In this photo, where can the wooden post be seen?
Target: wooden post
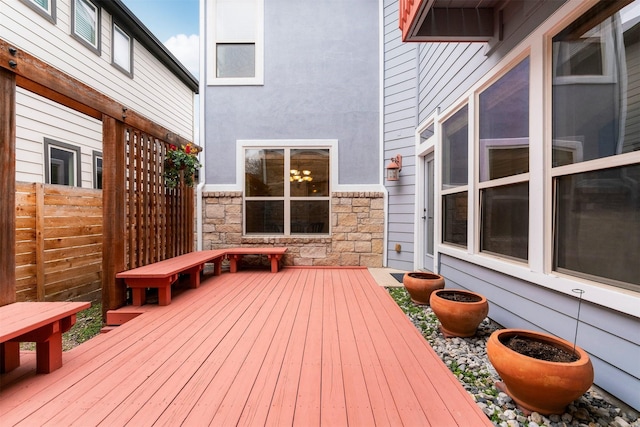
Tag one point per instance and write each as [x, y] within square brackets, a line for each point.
[7, 187]
[113, 214]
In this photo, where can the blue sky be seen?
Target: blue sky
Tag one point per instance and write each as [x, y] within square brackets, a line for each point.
[174, 23]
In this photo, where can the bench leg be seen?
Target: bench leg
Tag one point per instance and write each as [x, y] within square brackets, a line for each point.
[194, 276]
[164, 295]
[217, 267]
[274, 263]
[139, 296]
[234, 260]
[49, 352]
[9, 356]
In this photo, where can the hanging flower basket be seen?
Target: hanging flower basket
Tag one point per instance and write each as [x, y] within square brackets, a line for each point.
[181, 161]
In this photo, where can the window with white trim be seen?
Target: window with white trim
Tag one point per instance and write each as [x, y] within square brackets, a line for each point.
[122, 51]
[85, 25]
[235, 42]
[62, 163]
[503, 119]
[287, 191]
[596, 147]
[455, 182]
[46, 8]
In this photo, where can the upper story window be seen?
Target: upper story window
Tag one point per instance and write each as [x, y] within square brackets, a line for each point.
[122, 51]
[287, 191]
[62, 163]
[46, 8]
[86, 24]
[235, 42]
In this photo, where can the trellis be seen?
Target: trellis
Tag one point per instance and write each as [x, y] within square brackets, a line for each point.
[143, 221]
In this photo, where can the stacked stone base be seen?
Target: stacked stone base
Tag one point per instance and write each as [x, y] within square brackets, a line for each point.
[356, 237]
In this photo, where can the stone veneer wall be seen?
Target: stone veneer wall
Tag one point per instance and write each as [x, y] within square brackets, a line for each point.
[357, 230]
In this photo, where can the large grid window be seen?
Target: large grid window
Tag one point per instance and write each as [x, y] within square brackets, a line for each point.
[503, 119]
[287, 191]
[236, 48]
[455, 154]
[596, 116]
[86, 24]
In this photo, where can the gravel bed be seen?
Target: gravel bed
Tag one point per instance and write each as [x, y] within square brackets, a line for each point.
[467, 359]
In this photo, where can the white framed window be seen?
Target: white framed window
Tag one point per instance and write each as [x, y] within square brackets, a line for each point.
[122, 50]
[46, 8]
[287, 190]
[503, 130]
[595, 165]
[85, 25]
[97, 170]
[235, 42]
[62, 163]
[455, 177]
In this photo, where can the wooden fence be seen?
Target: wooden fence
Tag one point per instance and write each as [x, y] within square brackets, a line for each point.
[58, 242]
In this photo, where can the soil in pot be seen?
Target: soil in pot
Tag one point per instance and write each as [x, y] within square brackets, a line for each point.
[460, 297]
[421, 284]
[539, 350]
[536, 384]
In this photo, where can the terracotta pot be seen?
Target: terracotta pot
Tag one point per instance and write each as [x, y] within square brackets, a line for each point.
[420, 284]
[459, 318]
[538, 385]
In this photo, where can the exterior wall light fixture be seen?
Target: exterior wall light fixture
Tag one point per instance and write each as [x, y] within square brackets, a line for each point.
[394, 167]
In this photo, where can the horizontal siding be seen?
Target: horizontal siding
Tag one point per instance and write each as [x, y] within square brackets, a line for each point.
[38, 118]
[516, 303]
[152, 90]
[400, 90]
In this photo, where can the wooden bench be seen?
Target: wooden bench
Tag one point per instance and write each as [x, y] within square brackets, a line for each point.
[274, 254]
[162, 274]
[39, 322]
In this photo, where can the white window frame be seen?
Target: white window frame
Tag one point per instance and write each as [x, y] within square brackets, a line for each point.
[289, 145]
[212, 43]
[468, 187]
[481, 178]
[539, 269]
[129, 70]
[49, 12]
[95, 47]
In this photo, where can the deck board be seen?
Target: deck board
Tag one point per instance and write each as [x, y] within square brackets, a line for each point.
[302, 347]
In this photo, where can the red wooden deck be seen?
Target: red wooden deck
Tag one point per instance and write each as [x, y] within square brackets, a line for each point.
[303, 347]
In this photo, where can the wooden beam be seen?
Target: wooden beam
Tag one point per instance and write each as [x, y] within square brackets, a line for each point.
[7, 187]
[52, 83]
[113, 214]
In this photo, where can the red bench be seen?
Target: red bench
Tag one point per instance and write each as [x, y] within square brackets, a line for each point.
[274, 254]
[39, 322]
[162, 274]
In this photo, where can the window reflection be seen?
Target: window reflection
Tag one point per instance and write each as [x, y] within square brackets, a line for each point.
[595, 111]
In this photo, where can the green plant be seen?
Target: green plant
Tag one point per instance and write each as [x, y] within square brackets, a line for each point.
[182, 159]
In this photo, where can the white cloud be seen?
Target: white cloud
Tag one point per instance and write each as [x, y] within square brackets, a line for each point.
[187, 50]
